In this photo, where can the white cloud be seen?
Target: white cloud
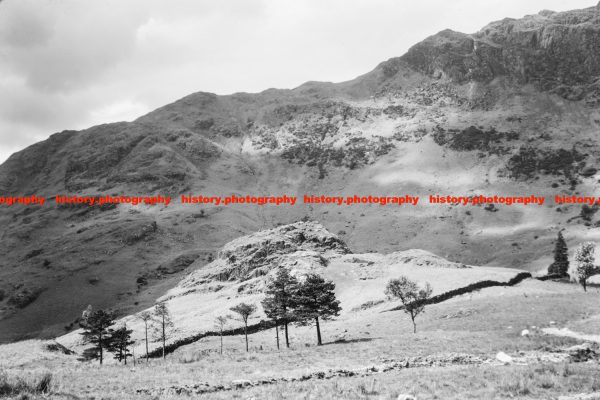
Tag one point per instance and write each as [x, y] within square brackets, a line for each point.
[70, 64]
[124, 110]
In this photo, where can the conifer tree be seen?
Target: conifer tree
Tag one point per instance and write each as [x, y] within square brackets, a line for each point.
[314, 299]
[120, 342]
[271, 311]
[96, 331]
[560, 266]
[278, 303]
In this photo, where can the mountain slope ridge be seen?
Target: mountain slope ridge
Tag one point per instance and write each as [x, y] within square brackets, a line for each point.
[454, 115]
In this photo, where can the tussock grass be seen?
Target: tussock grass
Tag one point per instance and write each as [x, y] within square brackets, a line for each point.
[14, 385]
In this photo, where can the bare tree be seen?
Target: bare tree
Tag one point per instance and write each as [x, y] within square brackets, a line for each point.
[244, 311]
[146, 317]
[413, 298]
[163, 317]
[220, 323]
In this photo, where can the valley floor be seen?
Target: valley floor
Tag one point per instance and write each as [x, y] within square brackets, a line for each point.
[479, 325]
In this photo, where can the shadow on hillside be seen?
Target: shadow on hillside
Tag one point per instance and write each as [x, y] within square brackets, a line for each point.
[345, 341]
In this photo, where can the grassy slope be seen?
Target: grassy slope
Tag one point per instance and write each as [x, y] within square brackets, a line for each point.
[359, 279]
[482, 323]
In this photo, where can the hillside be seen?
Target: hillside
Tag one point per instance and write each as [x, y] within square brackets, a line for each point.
[244, 266]
[518, 341]
[511, 109]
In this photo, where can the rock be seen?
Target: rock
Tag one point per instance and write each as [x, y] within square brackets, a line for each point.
[582, 352]
[54, 346]
[588, 171]
[525, 332]
[406, 397]
[239, 383]
[300, 246]
[504, 358]
[582, 396]
[504, 48]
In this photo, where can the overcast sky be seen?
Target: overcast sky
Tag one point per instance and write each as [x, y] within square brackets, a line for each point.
[71, 64]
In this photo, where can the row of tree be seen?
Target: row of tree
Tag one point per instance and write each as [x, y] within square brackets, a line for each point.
[584, 266]
[289, 301]
[98, 331]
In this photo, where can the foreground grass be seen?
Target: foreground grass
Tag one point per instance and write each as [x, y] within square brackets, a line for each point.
[541, 381]
[11, 386]
[474, 382]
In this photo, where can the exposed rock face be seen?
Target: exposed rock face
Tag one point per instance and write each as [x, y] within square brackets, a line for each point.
[559, 52]
[302, 247]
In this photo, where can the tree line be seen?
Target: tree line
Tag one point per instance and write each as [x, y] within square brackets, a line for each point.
[98, 331]
[287, 301]
[581, 270]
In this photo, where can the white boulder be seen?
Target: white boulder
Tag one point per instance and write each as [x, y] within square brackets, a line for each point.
[504, 358]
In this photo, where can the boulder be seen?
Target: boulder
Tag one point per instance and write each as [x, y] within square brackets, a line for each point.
[588, 171]
[504, 358]
[239, 383]
[582, 352]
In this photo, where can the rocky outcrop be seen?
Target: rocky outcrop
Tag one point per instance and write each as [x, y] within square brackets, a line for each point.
[300, 246]
[558, 52]
[583, 352]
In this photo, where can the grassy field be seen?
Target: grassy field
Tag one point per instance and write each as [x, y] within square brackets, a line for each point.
[483, 323]
[523, 382]
[360, 281]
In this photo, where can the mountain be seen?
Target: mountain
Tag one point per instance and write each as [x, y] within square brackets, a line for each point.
[509, 110]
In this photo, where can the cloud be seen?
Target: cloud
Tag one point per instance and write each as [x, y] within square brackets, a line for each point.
[65, 46]
[70, 64]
